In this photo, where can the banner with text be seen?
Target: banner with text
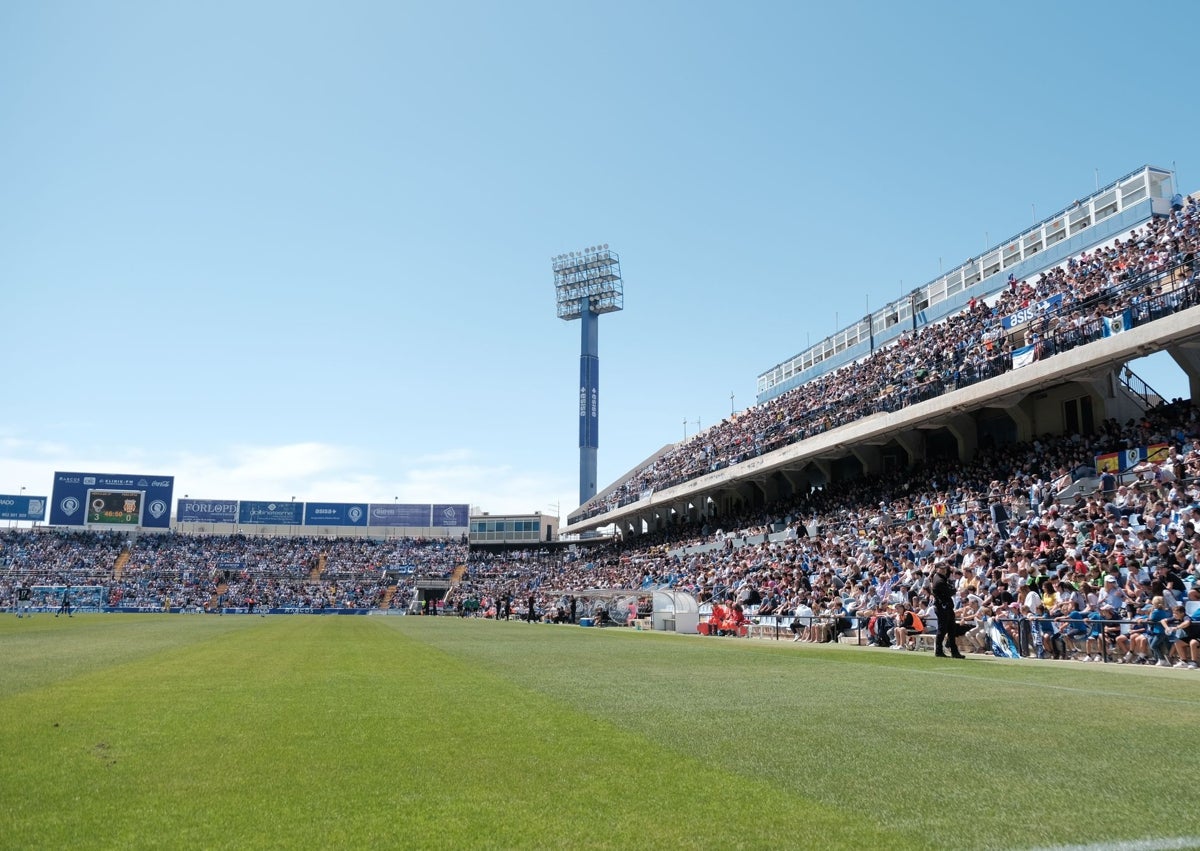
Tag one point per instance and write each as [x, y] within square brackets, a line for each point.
[206, 511]
[1033, 311]
[21, 507]
[399, 514]
[335, 514]
[271, 513]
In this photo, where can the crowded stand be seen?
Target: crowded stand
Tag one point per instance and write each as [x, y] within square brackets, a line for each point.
[1086, 576]
[192, 573]
[1106, 572]
[1149, 274]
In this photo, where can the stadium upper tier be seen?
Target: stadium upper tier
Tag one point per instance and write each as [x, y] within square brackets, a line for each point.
[1149, 274]
[1109, 212]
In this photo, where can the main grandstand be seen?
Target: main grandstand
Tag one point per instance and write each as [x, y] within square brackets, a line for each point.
[1033, 337]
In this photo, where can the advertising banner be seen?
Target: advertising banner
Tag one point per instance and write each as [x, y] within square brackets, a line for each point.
[451, 515]
[400, 514]
[206, 511]
[270, 513]
[589, 402]
[21, 507]
[1033, 311]
[335, 514]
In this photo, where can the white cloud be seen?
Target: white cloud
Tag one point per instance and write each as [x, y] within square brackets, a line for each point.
[310, 471]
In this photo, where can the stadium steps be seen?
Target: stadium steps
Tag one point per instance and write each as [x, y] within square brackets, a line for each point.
[385, 601]
[457, 575]
[1135, 389]
[215, 601]
[318, 570]
[119, 565]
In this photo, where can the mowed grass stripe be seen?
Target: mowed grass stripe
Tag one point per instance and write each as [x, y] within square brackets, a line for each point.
[44, 649]
[347, 731]
[912, 744]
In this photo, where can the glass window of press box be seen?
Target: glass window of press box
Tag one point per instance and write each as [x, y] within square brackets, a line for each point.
[505, 529]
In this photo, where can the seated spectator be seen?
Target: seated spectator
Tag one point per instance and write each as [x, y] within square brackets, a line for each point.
[909, 625]
[1187, 639]
[804, 621]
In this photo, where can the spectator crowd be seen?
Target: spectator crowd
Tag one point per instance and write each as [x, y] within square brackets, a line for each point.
[162, 572]
[1150, 273]
[1112, 571]
[1109, 571]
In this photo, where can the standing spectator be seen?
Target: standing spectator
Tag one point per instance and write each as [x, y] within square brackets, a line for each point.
[942, 590]
[65, 606]
[999, 515]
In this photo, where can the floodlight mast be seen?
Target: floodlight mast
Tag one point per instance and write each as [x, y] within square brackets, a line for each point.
[588, 283]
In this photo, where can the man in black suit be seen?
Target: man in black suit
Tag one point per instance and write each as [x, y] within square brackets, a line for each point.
[942, 590]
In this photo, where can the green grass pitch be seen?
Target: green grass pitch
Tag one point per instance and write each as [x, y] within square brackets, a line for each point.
[179, 731]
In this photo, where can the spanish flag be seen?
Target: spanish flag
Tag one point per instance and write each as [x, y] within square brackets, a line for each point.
[1158, 452]
[1110, 462]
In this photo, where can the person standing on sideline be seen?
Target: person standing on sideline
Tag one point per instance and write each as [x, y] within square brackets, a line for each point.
[65, 606]
[532, 609]
[942, 590]
[24, 593]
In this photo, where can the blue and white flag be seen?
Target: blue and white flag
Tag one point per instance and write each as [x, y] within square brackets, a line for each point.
[1002, 643]
[1116, 324]
[1024, 356]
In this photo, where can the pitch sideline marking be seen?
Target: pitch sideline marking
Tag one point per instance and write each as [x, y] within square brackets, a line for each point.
[1072, 689]
[1163, 844]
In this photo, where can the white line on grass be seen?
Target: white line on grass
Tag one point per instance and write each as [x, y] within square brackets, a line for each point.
[1089, 691]
[1165, 844]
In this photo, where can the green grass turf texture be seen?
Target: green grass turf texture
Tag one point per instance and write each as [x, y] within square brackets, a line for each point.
[308, 731]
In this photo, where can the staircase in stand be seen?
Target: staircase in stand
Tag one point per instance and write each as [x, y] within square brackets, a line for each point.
[318, 570]
[119, 565]
[1146, 396]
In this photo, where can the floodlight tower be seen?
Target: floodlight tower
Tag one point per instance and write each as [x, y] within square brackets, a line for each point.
[588, 283]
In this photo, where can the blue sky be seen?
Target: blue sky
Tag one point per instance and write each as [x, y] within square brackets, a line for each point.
[303, 249]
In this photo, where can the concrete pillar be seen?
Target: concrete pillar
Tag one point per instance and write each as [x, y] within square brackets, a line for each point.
[1022, 420]
[964, 431]
[797, 481]
[1110, 399]
[1188, 358]
[773, 487]
[870, 457]
[913, 443]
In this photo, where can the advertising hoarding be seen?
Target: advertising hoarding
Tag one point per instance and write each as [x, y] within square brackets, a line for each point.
[206, 511]
[335, 514]
[21, 507]
[270, 513]
[400, 514]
